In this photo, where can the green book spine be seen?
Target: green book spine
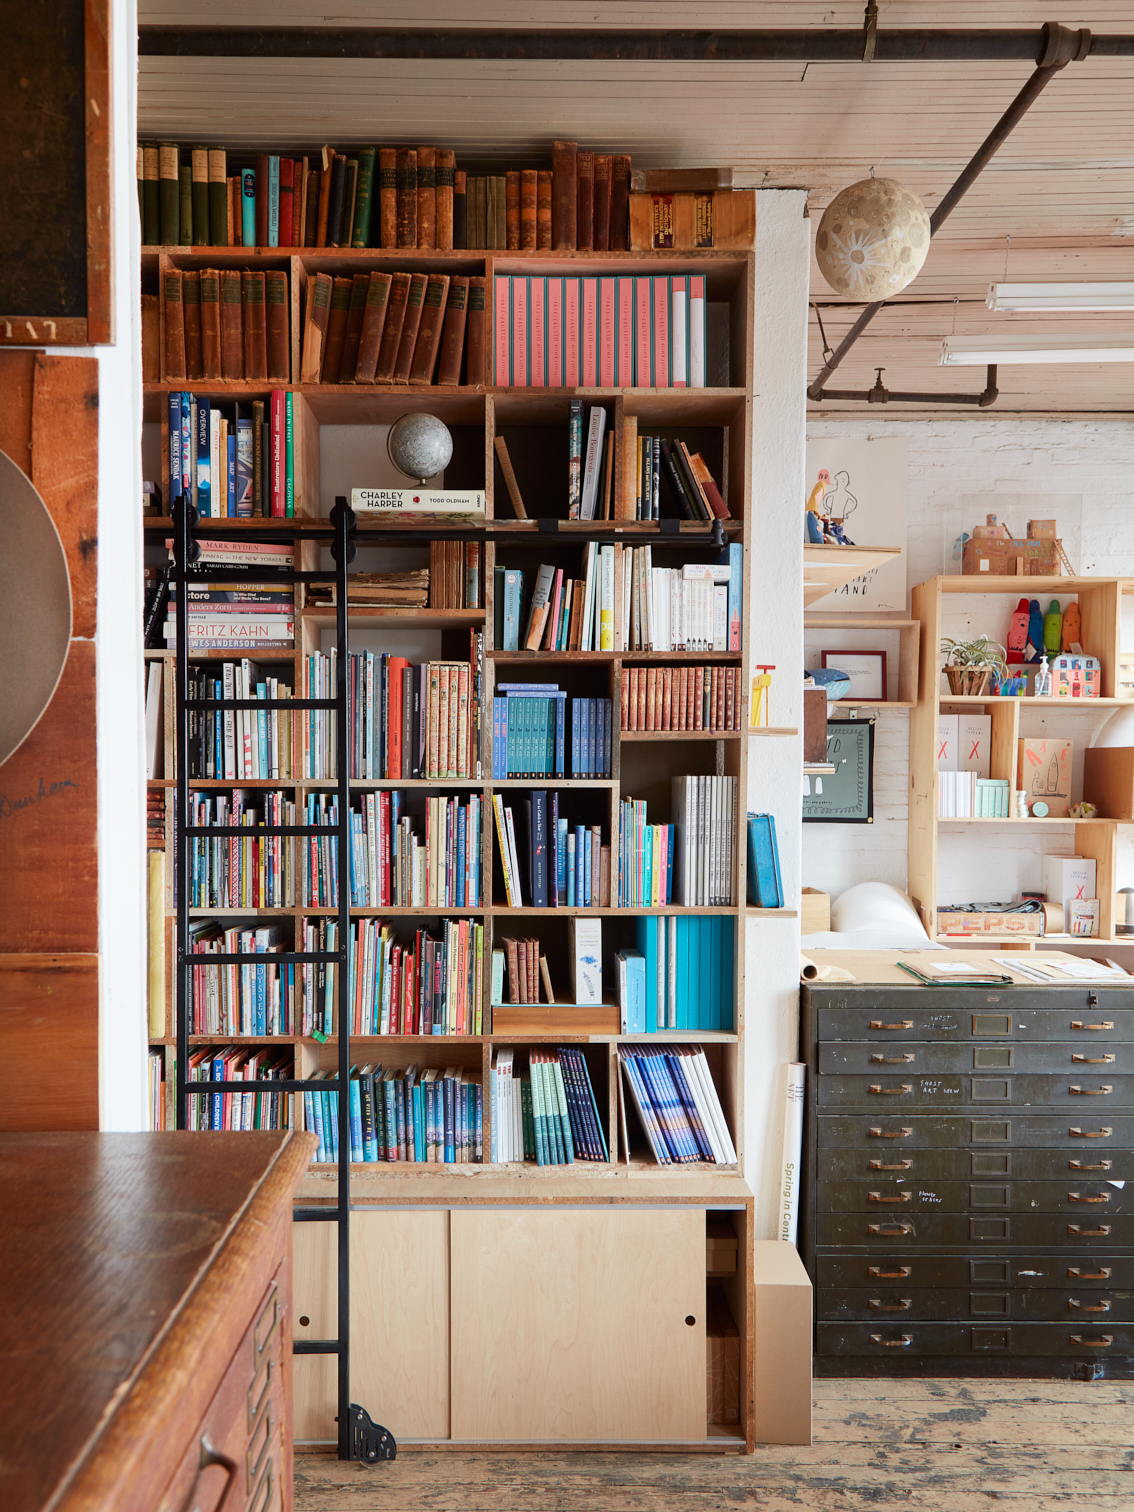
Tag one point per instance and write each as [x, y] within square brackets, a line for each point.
[363, 198]
[556, 1072]
[539, 1128]
[529, 1126]
[169, 194]
[218, 196]
[200, 160]
[151, 213]
[185, 205]
[289, 482]
[141, 185]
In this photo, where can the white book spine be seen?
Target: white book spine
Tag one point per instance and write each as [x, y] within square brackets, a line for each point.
[792, 1151]
[606, 598]
[696, 335]
[677, 330]
[593, 462]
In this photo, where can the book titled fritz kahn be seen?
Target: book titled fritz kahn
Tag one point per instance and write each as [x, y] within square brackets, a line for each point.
[468, 501]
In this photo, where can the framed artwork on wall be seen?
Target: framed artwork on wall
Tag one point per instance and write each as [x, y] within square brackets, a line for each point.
[866, 671]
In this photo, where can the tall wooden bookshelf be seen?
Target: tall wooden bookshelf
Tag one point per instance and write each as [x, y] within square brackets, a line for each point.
[513, 1303]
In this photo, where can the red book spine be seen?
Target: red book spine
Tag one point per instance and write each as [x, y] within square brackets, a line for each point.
[588, 341]
[520, 332]
[278, 444]
[555, 333]
[571, 333]
[624, 368]
[537, 324]
[501, 357]
[643, 368]
[606, 332]
[661, 332]
[262, 200]
[287, 200]
[395, 705]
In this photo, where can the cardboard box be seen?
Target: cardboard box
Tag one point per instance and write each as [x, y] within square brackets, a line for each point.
[781, 1339]
[1043, 771]
[1042, 530]
[814, 911]
[994, 926]
[1016, 557]
[720, 1247]
[1067, 880]
[1108, 781]
[722, 1341]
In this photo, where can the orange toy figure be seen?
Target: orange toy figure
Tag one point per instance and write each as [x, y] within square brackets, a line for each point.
[815, 502]
[1072, 626]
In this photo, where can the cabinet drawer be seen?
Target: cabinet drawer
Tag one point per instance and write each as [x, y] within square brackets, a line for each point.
[975, 1339]
[236, 1447]
[959, 1165]
[1111, 1018]
[1085, 1198]
[890, 1229]
[921, 1269]
[909, 1304]
[893, 1090]
[1076, 1132]
[922, 1057]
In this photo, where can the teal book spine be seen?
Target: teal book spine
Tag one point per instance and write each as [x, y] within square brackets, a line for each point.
[357, 1149]
[647, 941]
[716, 972]
[248, 207]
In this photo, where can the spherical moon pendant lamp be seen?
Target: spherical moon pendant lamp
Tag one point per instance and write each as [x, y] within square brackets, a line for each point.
[873, 239]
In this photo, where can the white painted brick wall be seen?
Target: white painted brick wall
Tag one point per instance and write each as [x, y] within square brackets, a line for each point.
[947, 460]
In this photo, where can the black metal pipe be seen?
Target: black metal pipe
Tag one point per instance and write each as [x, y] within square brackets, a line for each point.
[740, 45]
[879, 394]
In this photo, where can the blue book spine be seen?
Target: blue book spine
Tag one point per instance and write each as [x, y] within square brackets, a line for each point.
[174, 447]
[576, 718]
[571, 872]
[357, 1152]
[561, 856]
[560, 727]
[231, 478]
[462, 841]
[187, 440]
[716, 939]
[608, 736]
[273, 202]
[204, 490]
[647, 941]
[668, 899]
[248, 207]
[313, 1118]
[593, 755]
[583, 770]
[450, 1122]
[600, 737]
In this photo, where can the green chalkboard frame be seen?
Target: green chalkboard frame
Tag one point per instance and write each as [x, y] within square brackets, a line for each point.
[848, 796]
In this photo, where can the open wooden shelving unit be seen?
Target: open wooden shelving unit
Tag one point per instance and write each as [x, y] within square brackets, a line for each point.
[1100, 604]
[464, 1248]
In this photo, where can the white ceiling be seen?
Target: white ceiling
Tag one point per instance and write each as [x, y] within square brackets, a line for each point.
[1062, 186]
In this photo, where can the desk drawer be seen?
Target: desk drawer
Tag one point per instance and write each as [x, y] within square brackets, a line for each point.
[978, 1340]
[998, 1018]
[911, 1056]
[889, 1090]
[899, 1304]
[1085, 1133]
[1093, 1231]
[919, 1269]
[239, 1437]
[960, 1165]
[893, 1195]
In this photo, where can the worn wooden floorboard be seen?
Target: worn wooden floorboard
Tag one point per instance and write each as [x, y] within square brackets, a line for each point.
[942, 1446]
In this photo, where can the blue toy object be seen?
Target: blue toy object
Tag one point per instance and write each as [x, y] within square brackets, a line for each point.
[814, 532]
[836, 683]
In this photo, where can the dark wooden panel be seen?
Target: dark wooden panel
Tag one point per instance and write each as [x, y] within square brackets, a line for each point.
[960, 1165]
[889, 1304]
[868, 1058]
[49, 823]
[978, 1131]
[1111, 1018]
[903, 1268]
[49, 1034]
[977, 1340]
[64, 437]
[1096, 1090]
[1081, 1197]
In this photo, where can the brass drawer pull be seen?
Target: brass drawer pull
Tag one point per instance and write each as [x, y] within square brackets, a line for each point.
[1079, 1024]
[1093, 1060]
[897, 1133]
[901, 1091]
[1104, 1091]
[1103, 1133]
[898, 1060]
[878, 1197]
[1099, 1197]
[895, 1275]
[1102, 1274]
[1100, 1343]
[1100, 1233]
[903, 1306]
[1080, 1165]
[891, 1229]
[902, 1343]
[1088, 1306]
[897, 1165]
[878, 1024]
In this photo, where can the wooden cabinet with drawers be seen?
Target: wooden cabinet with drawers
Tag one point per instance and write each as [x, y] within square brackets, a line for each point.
[968, 1203]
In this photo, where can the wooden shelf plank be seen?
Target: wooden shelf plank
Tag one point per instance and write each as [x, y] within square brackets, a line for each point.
[828, 568]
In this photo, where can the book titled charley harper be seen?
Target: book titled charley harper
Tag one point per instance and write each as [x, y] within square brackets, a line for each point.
[419, 500]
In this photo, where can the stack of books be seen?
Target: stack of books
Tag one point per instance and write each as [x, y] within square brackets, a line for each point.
[257, 872]
[677, 1102]
[964, 795]
[564, 613]
[393, 328]
[234, 460]
[681, 698]
[254, 1109]
[552, 1117]
[527, 970]
[226, 325]
[705, 840]
[684, 474]
[534, 734]
[645, 858]
[689, 967]
[547, 862]
[246, 999]
[555, 332]
[455, 575]
[372, 590]
[238, 745]
[395, 1115]
[691, 608]
[394, 866]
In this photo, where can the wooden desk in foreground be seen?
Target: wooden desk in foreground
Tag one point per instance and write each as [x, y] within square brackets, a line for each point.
[147, 1300]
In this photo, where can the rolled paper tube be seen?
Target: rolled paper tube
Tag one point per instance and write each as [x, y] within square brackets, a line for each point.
[808, 970]
[1053, 919]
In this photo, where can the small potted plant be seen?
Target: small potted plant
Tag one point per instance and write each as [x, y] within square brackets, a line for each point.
[969, 665]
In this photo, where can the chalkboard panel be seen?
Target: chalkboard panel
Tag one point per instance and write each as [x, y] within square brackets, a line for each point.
[55, 173]
[848, 792]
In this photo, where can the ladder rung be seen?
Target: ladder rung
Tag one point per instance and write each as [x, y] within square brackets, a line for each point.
[262, 703]
[315, 1346]
[248, 832]
[260, 1084]
[315, 1215]
[274, 958]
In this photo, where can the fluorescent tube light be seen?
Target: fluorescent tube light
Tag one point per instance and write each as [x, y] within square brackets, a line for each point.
[1008, 297]
[1010, 351]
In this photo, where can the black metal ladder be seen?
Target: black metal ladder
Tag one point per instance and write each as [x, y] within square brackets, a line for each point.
[359, 1438]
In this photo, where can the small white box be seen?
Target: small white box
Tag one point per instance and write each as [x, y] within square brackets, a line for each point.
[1067, 880]
[974, 744]
[947, 737]
[586, 961]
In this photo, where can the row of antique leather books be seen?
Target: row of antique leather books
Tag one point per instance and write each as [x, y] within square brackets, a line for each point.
[394, 328]
[226, 325]
[393, 198]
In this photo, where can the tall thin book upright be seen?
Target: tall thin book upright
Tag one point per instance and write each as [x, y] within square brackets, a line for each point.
[791, 1091]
